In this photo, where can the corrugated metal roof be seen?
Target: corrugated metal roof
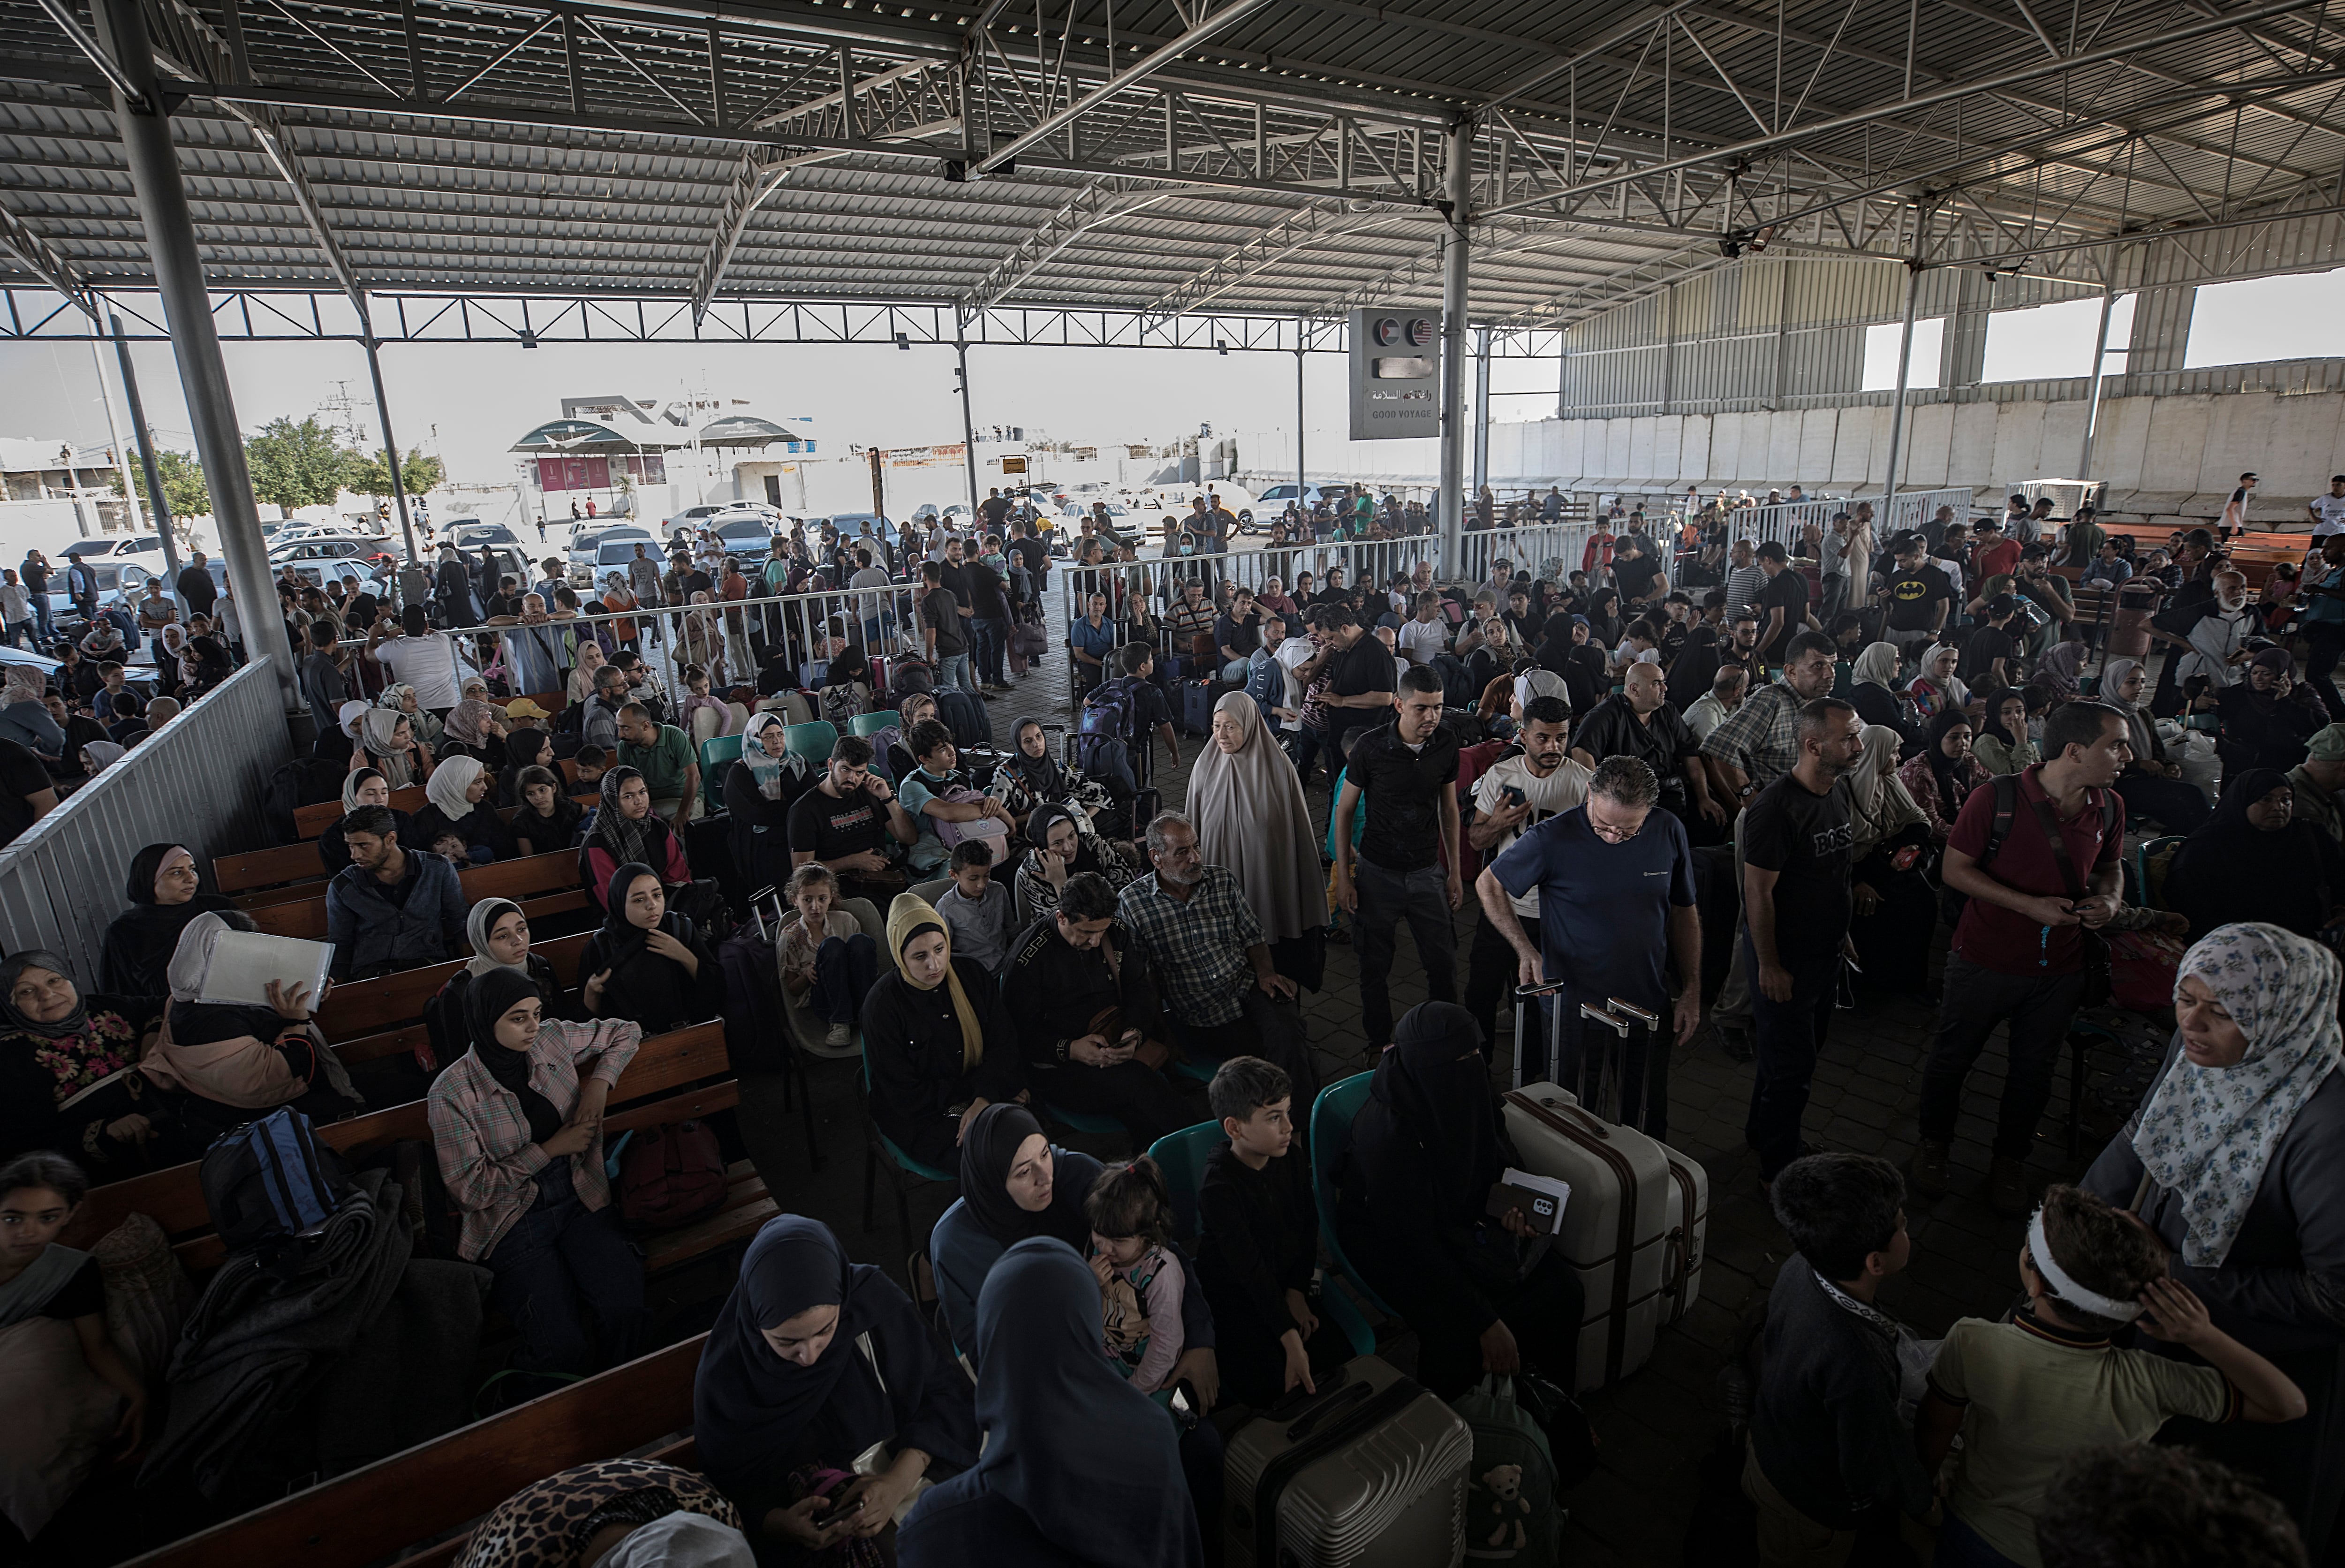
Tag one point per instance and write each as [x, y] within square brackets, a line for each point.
[800, 148]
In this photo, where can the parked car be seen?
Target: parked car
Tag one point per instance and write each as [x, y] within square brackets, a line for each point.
[470, 533]
[691, 517]
[585, 545]
[745, 533]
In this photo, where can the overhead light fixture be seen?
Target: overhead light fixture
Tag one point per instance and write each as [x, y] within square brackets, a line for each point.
[1220, 347]
[1729, 246]
[904, 342]
[1758, 240]
[528, 339]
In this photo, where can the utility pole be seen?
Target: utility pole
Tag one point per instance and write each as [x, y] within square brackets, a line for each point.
[158, 503]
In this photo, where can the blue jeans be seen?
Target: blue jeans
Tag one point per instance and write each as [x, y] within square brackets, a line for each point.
[952, 669]
[41, 616]
[1786, 1038]
[845, 970]
[558, 1259]
[18, 634]
[993, 639]
[1233, 673]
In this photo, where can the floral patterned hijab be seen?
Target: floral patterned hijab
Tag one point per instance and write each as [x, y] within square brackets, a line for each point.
[2208, 1133]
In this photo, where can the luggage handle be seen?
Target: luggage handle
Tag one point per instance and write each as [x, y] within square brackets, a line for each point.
[1342, 1403]
[1556, 1109]
[1298, 1399]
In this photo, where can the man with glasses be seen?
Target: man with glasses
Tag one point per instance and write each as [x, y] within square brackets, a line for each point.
[1614, 880]
[1796, 841]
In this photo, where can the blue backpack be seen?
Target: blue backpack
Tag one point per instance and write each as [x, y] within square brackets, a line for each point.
[1111, 713]
[1266, 684]
[270, 1185]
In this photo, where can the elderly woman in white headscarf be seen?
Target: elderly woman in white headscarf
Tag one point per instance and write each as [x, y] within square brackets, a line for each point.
[2152, 784]
[1248, 808]
[2236, 1160]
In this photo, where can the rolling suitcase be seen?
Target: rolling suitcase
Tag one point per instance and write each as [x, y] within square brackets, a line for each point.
[1633, 1228]
[1196, 705]
[1368, 1473]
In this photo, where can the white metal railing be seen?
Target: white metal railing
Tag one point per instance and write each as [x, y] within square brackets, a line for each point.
[197, 782]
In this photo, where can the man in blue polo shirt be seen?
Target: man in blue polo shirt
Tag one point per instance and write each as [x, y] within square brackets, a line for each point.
[1615, 881]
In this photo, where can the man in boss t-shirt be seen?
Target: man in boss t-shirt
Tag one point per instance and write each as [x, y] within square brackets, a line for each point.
[2018, 951]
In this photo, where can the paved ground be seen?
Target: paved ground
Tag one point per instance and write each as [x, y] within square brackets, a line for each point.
[1657, 1424]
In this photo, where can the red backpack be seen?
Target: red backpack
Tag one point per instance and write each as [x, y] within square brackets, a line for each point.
[670, 1177]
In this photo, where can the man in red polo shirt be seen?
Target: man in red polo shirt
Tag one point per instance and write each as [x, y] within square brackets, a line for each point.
[2018, 952]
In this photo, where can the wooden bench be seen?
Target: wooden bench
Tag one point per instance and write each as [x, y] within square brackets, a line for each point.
[373, 1513]
[542, 885]
[174, 1198]
[354, 1015]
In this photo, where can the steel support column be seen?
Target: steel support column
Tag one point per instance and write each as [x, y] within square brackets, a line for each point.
[156, 504]
[390, 444]
[1897, 409]
[967, 423]
[1302, 480]
[1457, 169]
[2093, 399]
[203, 376]
[1481, 410]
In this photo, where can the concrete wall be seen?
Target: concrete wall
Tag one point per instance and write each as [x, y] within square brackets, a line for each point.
[2162, 456]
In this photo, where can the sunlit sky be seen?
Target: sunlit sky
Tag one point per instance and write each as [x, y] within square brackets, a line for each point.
[468, 402]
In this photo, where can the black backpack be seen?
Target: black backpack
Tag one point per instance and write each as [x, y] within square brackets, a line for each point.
[270, 1185]
[304, 781]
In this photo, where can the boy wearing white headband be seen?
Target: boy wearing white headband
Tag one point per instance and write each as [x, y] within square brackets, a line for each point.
[2028, 1394]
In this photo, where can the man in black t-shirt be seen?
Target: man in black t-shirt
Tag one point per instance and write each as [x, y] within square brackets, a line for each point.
[26, 792]
[1363, 676]
[1640, 723]
[994, 509]
[1988, 653]
[1795, 898]
[1406, 773]
[1918, 596]
[847, 820]
[1636, 573]
[1783, 604]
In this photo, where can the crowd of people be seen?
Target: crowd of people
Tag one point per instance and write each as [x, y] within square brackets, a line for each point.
[1809, 753]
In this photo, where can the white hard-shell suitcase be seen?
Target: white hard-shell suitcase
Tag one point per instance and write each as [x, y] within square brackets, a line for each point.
[1633, 1228]
[1368, 1473]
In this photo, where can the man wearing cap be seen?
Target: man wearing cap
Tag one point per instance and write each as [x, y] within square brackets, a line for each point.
[2318, 782]
[522, 710]
[1993, 556]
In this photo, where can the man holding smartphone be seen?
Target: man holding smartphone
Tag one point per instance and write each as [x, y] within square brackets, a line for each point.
[1533, 780]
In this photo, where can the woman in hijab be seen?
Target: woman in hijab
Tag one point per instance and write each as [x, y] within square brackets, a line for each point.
[366, 787]
[1894, 909]
[388, 741]
[936, 1042]
[581, 685]
[499, 934]
[2003, 745]
[1695, 669]
[206, 666]
[459, 808]
[546, 817]
[628, 831]
[2059, 669]
[649, 963]
[1030, 778]
[165, 894]
[24, 715]
[1942, 775]
[517, 1125]
[526, 746]
[1079, 1467]
[1062, 848]
[69, 1079]
[2253, 861]
[2234, 1160]
[400, 698]
[814, 1361]
[1426, 1150]
[1874, 696]
[2268, 717]
[2150, 784]
[1250, 815]
[228, 1062]
[758, 794]
[1935, 689]
[479, 727]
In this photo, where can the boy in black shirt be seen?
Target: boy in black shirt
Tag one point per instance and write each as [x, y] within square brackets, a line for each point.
[1795, 899]
[1261, 1241]
[1990, 658]
[1828, 1457]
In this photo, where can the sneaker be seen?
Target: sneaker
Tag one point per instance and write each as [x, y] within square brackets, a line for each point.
[840, 1036]
[2006, 1186]
[1928, 1168]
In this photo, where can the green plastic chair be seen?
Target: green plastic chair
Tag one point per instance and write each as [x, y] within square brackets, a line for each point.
[1183, 1156]
[715, 752]
[868, 724]
[1331, 1135]
[811, 741]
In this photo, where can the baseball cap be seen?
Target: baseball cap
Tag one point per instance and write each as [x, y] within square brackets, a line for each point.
[522, 707]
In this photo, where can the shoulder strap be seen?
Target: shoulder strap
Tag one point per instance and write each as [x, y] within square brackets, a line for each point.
[2006, 798]
[2049, 822]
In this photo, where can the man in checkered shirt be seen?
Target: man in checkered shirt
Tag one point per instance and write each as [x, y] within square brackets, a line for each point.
[1212, 966]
